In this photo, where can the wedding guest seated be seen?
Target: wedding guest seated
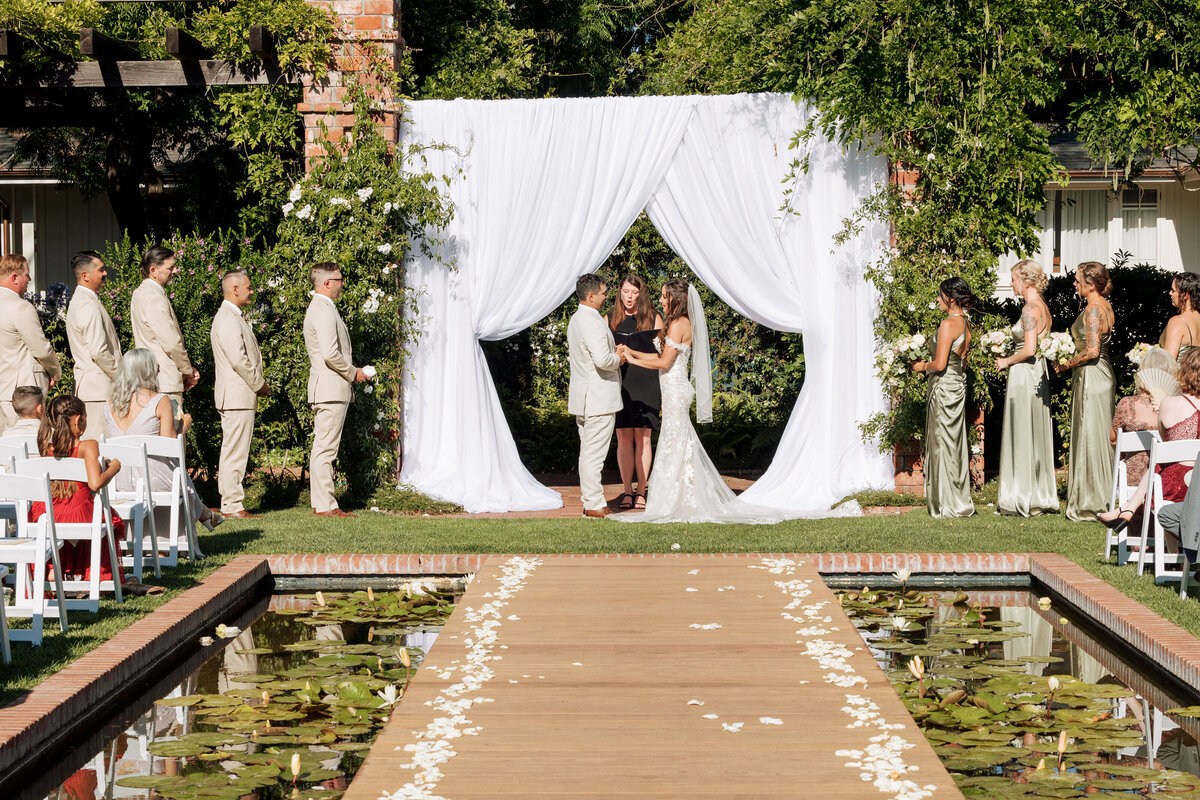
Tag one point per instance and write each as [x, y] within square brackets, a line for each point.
[27, 405]
[137, 408]
[1178, 418]
[1139, 412]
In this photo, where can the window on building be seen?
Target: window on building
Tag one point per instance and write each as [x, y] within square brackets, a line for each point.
[1139, 224]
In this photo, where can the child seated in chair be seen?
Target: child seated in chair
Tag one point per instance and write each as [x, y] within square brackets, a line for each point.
[27, 405]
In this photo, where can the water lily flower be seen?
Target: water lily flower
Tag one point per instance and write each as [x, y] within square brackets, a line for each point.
[917, 667]
[295, 766]
[221, 631]
[1052, 684]
[320, 599]
[205, 641]
[902, 624]
[405, 660]
[1044, 603]
[902, 575]
[388, 695]
[370, 594]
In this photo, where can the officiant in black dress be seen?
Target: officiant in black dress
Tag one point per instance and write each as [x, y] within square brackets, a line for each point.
[635, 323]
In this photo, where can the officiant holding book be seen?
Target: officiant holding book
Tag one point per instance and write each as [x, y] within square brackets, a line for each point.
[635, 323]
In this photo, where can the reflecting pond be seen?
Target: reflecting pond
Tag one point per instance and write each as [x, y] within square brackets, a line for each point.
[1020, 698]
[284, 707]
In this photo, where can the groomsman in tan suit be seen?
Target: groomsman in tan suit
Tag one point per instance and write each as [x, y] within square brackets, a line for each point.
[26, 357]
[93, 340]
[331, 373]
[239, 382]
[156, 328]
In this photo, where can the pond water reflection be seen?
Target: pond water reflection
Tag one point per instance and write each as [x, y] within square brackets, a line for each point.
[292, 700]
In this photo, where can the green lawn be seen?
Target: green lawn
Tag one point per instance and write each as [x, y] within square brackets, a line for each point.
[297, 530]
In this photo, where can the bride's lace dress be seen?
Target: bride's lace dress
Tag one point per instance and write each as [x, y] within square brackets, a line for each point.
[684, 486]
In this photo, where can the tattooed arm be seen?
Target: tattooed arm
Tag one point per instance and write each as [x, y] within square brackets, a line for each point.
[1029, 324]
[1092, 320]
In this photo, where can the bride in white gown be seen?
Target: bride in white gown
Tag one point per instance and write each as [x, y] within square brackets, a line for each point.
[684, 485]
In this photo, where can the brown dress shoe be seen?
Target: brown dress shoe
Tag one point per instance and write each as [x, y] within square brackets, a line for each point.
[337, 512]
[243, 514]
[599, 513]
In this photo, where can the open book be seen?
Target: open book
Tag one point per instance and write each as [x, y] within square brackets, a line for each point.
[638, 341]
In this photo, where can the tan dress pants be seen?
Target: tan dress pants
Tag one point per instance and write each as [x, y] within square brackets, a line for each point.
[96, 426]
[237, 427]
[595, 437]
[328, 419]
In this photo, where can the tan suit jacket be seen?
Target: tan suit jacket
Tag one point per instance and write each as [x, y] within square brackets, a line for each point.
[94, 346]
[26, 357]
[156, 328]
[238, 374]
[331, 370]
[594, 386]
[23, 427]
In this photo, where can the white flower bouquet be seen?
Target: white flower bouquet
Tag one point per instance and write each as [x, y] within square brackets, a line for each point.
[893, 359]
[1139, 352]
[998, 343]
[1056, 347]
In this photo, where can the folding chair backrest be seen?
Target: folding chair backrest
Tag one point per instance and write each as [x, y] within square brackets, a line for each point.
[1172, 452]
[58, 469]
[132, 457]
[31, 488]
[156, 446]
[11, 452]
[27, 439]
[1135, 441]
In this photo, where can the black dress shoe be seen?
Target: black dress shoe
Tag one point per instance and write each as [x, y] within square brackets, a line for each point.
[1120, 523]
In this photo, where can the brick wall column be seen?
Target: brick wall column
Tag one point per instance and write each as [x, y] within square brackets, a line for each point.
[368, 30]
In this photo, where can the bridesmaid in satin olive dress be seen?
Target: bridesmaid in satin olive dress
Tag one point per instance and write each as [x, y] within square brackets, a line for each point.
[947, 454]
[1027, 485]
[1090, 462]
[1183, 330]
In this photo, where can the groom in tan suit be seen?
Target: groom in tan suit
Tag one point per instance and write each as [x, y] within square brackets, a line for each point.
[330, 376]
[156, 328]
[26, 357]
[594, 390]
[93, 340]
[239, 382]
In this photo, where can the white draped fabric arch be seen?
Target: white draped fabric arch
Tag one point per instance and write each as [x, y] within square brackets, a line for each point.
[543, 190]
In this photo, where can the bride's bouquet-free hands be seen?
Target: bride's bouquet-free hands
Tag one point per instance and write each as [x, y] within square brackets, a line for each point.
[1057, 348]
[894, 360]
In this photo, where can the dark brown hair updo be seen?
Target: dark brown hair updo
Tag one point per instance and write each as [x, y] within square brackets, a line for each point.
[644, 310]
[676, 306]
[1096, 274]
[956, 289]
[1187, 284]
[55, 438]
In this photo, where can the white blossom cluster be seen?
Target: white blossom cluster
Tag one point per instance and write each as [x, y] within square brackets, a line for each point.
[893, 358]
[881, 762]
[1056, 347]
[998, 343]
[1138, 352]
[434, 748]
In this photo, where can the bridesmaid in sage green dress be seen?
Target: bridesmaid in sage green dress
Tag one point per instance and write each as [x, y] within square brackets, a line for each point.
[1089, 467]
[947, 455]
[1027, 485]
[1183, 330]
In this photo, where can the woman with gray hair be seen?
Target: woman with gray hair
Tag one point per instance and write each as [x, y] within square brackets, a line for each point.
[137, 408]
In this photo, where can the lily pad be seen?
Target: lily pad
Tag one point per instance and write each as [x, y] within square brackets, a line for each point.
[175, 748]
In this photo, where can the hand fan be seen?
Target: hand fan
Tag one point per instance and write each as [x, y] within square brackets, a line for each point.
[1157, 382]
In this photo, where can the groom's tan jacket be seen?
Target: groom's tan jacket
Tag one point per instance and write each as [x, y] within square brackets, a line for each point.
[595, 386]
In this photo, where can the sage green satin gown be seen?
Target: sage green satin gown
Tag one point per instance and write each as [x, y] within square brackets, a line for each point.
[1027, 485]
[1183, 348]
[1089, 468]
[947, 454]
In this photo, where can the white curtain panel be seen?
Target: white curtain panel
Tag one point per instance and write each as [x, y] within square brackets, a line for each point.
[544, 189]
[720, 207]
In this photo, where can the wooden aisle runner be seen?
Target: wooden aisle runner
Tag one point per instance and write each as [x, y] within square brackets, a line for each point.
[652, 676]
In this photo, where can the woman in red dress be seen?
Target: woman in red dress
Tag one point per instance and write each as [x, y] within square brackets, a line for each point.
[62, 426]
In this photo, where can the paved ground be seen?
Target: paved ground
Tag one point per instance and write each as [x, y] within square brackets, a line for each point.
[686, 677]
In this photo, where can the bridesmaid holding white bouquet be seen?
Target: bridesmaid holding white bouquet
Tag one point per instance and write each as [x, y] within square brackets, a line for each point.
[1089, 475]
[1027, 485]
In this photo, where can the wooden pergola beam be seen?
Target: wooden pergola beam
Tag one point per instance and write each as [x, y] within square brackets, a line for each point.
[262, 43]
[155, 74]
[105, 48]
[12, 44]
[183, 46]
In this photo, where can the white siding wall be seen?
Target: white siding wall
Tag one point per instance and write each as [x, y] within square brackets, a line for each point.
[50, 225]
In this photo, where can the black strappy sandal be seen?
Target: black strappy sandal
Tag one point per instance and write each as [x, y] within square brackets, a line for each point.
[642, 498]
[626, 502]
[1120, 522]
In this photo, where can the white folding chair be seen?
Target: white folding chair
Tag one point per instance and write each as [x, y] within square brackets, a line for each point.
[10, 454]
[5, 650]
[1128, 443]
[136, 507]
[182, 536]
[1152, 532]
[34, 545]
[99, 531]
